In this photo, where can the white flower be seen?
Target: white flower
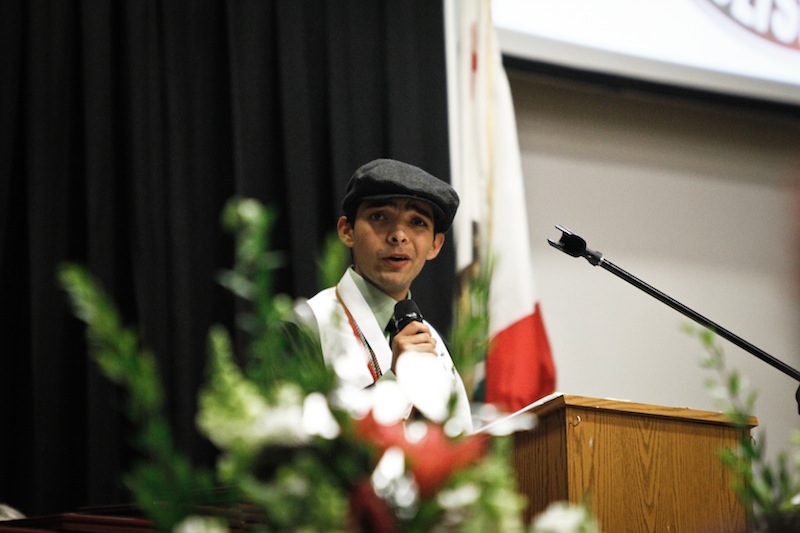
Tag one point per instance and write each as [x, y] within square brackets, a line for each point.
[500, 424]
[249, 210]
[562, 517]
[391, 467]
[248, 420]
[426, 383]
[462, 496]
[385, 399]
[201, 524]
[317, 417]
[420, 380]
[243, 417]
[392, 482]
[389, 403]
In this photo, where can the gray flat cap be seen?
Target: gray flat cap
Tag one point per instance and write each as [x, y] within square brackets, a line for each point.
[387, 178]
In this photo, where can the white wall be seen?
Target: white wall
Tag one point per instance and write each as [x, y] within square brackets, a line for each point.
[698, 202]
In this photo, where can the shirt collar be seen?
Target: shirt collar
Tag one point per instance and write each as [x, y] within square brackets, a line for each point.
[381, 304]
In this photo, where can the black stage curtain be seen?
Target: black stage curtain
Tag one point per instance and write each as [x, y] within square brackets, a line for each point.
[124, 128]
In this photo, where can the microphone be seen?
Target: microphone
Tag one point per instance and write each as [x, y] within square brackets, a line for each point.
[405, 312]
[575, 246]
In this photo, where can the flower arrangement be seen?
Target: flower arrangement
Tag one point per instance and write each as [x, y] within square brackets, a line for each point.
[769, 492]
[297, 452]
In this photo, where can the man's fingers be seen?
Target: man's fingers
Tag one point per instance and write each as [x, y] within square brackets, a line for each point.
[416, 342]
[414, 328]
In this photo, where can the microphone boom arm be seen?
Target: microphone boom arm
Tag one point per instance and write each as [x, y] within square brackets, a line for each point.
[575, 246]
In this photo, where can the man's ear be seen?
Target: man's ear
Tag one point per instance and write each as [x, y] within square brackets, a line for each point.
[438, 241]
[345, 230]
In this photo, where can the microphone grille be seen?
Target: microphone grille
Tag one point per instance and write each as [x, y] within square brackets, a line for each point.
[406, 308]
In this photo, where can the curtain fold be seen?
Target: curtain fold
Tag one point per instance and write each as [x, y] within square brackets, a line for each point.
[124, 128]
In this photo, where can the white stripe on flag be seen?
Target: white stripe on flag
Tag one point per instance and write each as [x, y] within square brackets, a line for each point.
[487, 173]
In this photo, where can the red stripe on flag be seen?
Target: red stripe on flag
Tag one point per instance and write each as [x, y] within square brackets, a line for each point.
[519, 368]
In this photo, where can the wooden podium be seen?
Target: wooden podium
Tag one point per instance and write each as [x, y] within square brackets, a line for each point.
[642, 468]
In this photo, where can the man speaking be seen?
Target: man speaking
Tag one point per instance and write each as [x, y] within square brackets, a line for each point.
[395, 219]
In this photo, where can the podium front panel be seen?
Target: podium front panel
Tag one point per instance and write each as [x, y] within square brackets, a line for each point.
[640, 468]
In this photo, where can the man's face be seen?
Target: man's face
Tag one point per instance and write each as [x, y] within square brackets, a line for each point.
[391, 240]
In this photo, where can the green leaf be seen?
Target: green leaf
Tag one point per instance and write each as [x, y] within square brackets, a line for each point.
[334, 260]
[164, 474]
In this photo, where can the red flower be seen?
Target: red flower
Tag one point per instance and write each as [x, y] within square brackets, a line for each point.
[368, 513]
[433, 459]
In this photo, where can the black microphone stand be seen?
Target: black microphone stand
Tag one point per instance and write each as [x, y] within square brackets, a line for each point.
[575, 246]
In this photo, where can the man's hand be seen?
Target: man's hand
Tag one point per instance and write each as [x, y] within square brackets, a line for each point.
[415, 337]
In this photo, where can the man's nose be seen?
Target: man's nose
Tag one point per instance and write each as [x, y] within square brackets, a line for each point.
[397, 235]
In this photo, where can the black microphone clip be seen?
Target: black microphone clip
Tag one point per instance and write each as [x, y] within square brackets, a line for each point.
[575, 246]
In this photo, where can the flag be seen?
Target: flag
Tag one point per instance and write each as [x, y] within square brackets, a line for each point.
[492, 221]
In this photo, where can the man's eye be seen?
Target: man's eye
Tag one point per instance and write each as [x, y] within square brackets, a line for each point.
[421, 222]
[376, 216]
